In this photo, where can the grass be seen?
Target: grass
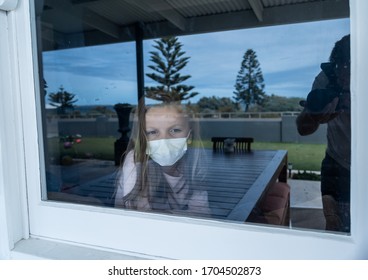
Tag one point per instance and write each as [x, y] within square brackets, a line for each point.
[302, 156]
[90, 147]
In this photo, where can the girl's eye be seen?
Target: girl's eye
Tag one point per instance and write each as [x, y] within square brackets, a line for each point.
[151, 133]
[175, 131]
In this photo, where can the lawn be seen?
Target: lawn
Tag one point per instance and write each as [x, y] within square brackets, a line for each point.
[302, 156]
[89, 147]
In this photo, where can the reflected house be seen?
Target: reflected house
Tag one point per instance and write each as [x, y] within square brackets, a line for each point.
[30, 221]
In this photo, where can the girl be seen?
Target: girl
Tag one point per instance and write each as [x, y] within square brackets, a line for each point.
[159, 172]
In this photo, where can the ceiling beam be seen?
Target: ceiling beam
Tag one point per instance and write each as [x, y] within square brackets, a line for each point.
[170, 14]
[100, 23]
[257, 8]
[89, 17]
[164, 9]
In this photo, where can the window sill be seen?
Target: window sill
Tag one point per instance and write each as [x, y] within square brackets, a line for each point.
[39, 249]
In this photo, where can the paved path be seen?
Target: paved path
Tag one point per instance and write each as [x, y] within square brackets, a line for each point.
[305, 194]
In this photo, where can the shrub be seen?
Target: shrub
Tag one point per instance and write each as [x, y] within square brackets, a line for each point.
[310, 176]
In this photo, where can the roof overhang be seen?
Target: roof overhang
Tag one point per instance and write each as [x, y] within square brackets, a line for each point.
[97, 22]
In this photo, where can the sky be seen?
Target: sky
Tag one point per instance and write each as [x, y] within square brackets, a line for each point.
[289, 57]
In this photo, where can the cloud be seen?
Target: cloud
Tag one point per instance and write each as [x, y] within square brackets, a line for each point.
[292, 53]
[93, 90]
[289, 56]
[115, 61]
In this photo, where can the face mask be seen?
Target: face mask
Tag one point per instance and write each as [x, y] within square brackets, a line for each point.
[166, 152]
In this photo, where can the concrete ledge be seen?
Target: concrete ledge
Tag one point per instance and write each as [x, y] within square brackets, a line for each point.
[39, 249]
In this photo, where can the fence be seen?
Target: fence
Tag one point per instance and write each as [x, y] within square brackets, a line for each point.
[281, 129]
[208, 115]
[243, 115]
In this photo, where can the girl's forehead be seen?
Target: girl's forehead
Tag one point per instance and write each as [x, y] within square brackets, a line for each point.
[163, 109]
[165, 114]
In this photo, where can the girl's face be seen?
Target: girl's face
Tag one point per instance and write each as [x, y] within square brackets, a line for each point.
[166, 123]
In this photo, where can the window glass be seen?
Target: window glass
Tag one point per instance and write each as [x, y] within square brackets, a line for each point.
[84, 87]
[243, 125]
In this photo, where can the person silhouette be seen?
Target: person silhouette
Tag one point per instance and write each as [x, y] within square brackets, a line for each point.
[329, 102]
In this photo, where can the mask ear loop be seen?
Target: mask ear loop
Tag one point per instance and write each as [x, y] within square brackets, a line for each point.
[190, 138]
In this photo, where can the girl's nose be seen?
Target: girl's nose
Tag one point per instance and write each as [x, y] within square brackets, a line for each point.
[165, 135]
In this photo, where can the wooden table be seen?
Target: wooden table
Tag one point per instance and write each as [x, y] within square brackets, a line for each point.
[235, 182]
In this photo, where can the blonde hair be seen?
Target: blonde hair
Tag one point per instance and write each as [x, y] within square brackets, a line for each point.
[138, 144]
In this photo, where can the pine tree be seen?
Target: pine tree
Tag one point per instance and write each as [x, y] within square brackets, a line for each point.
[62, 100]
[168, 62]
[249, 84]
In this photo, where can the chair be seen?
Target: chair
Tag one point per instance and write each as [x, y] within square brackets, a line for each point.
[237, 144]
[274, 206]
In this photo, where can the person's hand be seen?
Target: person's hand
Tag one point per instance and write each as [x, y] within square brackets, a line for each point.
[328, 113]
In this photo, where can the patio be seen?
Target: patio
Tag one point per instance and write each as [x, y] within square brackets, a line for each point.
[94, 180]
[306, 205]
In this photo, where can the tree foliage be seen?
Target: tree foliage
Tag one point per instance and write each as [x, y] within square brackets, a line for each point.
[275, 103]
[216, 104]
[168, 61]
[62, 100]
[249, 85]
[272, 103]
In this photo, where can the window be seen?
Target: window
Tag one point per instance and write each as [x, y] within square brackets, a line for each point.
[55, 219]
[237, 85]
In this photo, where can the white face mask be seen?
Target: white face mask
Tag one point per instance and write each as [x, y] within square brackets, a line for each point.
[166, 152]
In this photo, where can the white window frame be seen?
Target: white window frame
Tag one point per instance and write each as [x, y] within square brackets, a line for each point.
[152, 235]
[8, 5]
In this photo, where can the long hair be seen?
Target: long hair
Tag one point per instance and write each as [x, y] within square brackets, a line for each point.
[149, 174]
